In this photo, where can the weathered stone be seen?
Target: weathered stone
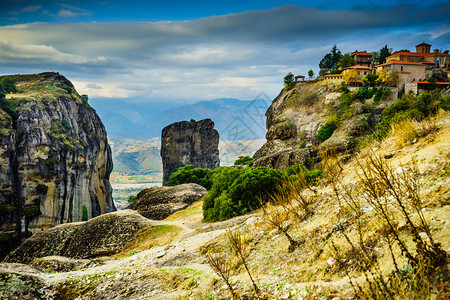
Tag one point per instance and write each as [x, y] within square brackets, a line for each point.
[45, 243]
[283, 159]
[268, 148]
[61, 264]
[102, 235]
[159, 202]
[54, 159]
[438, 75]
[189, 143]
[24, 282]
[105, 235]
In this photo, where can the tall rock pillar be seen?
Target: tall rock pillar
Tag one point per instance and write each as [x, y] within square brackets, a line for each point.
[189, 143]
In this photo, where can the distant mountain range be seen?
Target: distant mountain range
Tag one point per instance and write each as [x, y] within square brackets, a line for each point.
[236, 120]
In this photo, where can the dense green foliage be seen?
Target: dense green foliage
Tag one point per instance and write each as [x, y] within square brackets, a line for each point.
[8, 85]
[311, 176]
[189, 174]
[384, 52]
[244, 160]
[325, 132]
[344, 110]
[289, 81]
[235, 192]
[330, 60]
[411, 106]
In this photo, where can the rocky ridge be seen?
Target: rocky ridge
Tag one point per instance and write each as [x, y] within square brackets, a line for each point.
[55, 160]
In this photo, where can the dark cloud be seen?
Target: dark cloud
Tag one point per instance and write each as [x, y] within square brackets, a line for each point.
[235, 55]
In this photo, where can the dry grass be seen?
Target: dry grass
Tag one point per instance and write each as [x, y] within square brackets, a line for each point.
[192, 212]
[149, 237]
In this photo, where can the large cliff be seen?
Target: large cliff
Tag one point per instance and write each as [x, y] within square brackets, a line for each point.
[189, 143]
[55, 160]
[297, 119]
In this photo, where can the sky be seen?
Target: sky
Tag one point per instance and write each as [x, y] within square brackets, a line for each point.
[187, 51]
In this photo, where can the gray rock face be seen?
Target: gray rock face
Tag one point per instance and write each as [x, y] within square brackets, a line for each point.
[159, 202]
[55, 160]
[281, 160]
[102, 235]
[189, 143]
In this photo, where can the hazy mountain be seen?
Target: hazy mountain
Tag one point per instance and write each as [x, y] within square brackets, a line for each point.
[234, 119]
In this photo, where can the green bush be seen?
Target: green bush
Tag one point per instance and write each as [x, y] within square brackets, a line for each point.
[410, 106]
[289, 81]
[189, 174]
[244, 160]
[236, 192]
[310, 175]
[8, 85]
[325, 132]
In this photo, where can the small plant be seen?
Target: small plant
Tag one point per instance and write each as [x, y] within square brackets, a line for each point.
[220, 264]
[85, 215]
[326, 131]
[240, 248]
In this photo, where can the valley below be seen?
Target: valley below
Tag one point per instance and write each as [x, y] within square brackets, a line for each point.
[137, 163]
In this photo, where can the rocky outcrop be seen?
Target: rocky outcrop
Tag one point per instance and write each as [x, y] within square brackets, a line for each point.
[189, 143]
[61, 264]
[18, 281]
[282, 159]
[159, 202]
[102, 235]
[55, 160]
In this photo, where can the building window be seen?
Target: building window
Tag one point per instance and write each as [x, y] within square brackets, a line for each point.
[401, 68]
[365, 72]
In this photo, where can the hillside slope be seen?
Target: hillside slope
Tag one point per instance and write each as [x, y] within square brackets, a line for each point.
[175, 268]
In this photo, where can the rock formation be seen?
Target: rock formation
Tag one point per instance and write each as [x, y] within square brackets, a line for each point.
[159, 202]
[295, 117]
[55, 160]
[189, 143]
[102, 235]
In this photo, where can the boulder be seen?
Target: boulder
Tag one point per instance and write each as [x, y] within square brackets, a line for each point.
[100, 236]
[45, 243]
[159, 202]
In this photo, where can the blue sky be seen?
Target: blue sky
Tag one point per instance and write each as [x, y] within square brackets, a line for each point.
[186, 51]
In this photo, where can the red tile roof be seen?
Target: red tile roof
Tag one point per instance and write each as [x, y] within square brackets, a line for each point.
[442, 83]
[401, 62]
[404, 72]
[423, 44]
[359, 67]
[418, 54]
[362, 53]
[427, 62]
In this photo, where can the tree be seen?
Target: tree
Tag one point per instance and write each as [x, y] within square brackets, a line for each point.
[8, 84]
[311, 73]
[384, 52]
[289, 81]
[330, 60]
[346, 61]
[369, 79]
[323, 72]
[244, 160]
[350, 76]
[84, 98]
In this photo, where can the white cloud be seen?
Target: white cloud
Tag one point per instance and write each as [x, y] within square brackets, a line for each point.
[69, 11]
[237, 55]
[26, 9]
